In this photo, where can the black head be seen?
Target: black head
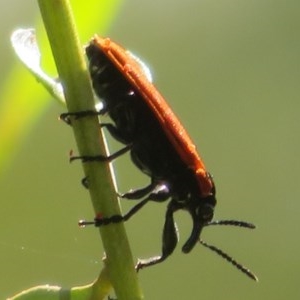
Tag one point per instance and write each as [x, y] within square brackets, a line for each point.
[202, 215]
[202, 212]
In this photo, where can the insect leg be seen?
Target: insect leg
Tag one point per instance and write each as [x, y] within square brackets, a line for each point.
[99, 158]
[100, 221]
[136, 194]
[90, 158]
[159, 195]
[169, 240]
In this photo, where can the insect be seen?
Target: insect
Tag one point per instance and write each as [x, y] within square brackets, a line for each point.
[158, 145]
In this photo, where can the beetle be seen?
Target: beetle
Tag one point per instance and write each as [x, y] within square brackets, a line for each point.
[158, 145]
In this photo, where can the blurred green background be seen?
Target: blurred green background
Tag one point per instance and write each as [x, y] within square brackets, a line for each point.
[230, 70]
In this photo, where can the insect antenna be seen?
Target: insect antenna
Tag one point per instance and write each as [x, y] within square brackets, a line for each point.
[230, 259]
[225, 255]
[232, 223]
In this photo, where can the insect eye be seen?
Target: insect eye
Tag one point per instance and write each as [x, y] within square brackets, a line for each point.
[206, 211]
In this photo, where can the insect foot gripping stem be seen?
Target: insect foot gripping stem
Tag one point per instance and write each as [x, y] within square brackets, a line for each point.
[102, 221]
[101, 158]
[67, 117]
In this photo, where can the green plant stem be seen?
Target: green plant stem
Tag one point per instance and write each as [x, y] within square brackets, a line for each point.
[72, 70]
